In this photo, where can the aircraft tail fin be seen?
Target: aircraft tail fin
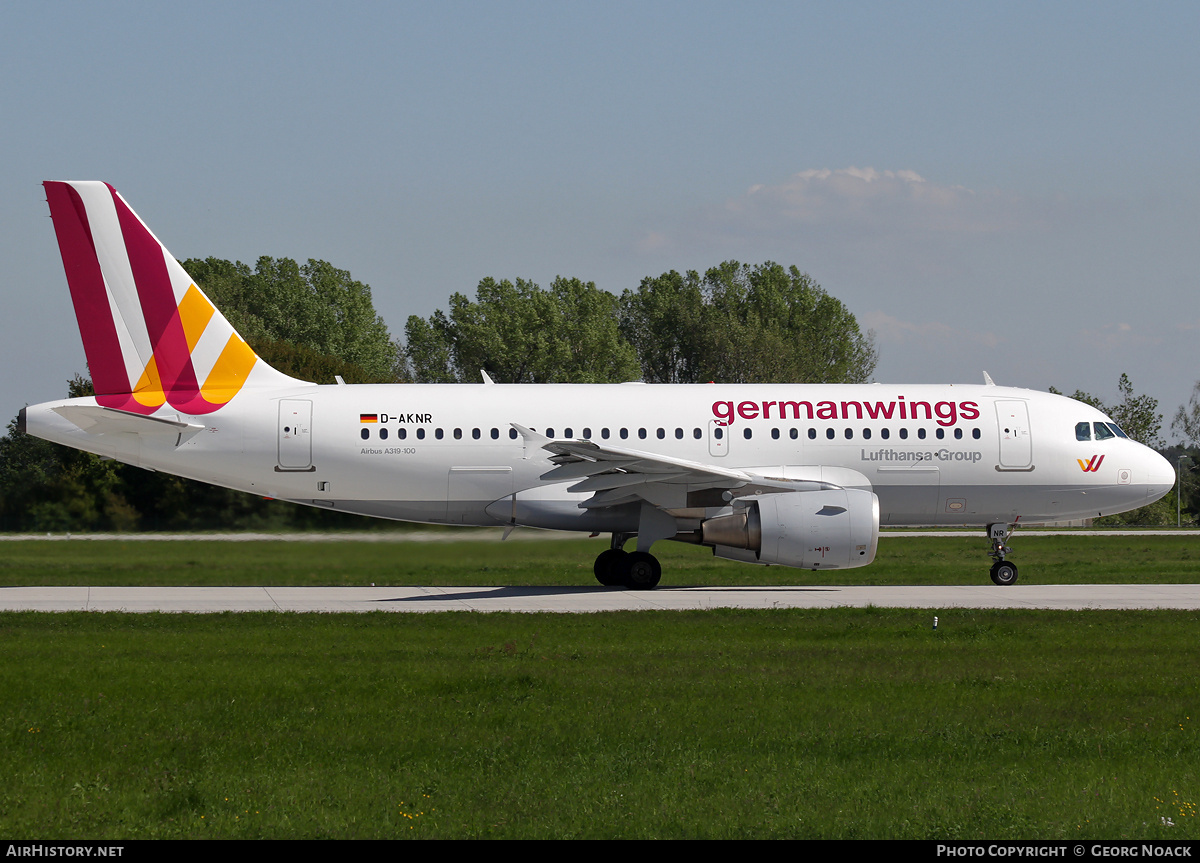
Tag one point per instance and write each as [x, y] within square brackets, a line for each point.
[151, 336]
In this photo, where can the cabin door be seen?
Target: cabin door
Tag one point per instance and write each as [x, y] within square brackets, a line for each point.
[295, 434]
[1016, 443]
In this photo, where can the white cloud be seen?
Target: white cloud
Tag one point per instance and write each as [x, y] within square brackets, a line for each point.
[894, 217]
[928, 334]
[651, 241]
[871, 200]
[1120, 336]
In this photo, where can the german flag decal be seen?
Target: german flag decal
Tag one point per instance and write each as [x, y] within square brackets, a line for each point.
[368, 418]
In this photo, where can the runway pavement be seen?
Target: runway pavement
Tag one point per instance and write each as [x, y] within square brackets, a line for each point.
[577, 600]
[495, 534]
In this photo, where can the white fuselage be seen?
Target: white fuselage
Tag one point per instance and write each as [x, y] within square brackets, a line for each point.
[449, 454]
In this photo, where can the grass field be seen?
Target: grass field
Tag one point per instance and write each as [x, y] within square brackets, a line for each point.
[1074, 559]
[844, 723]
[839, 723]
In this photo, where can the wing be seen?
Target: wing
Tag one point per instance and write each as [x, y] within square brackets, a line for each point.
[616, 475]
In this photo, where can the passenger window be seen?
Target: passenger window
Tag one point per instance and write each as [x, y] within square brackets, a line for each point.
[679, 434]
[512, 434]
[903, 434]
[438, 434]
[624, 434]
[383, 433]
[1103, 432]
[921, 434]
[697, 434]
[458, 434]
[421, 434]
[885, 433]
[641, 434]
[662, 434]
[747, 433]
[495, 434]
[1083, 431]
[958, 434]
[567, 433]
[829, 433]
[812, 434]
[587, 434]
[866, 434]
[550, 433]
[366, 433]
[794, 433]
[849, 434]
[774, 434]
[718, 432]
[975, 433]
[604, 433]
[403, 433]
[941, 434]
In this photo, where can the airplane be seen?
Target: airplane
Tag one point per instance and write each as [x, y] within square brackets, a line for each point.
[800, 475]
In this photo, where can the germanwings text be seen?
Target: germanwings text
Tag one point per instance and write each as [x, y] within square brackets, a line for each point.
[945, 413]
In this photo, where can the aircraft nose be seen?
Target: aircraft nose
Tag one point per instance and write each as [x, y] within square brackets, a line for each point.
[1159, 474]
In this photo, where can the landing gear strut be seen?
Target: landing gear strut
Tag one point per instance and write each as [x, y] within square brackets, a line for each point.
[1004, 573]
[615, 567]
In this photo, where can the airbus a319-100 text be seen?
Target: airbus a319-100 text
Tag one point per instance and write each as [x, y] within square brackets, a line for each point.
[801, 475]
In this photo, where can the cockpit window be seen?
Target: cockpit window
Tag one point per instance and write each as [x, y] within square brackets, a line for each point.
[1117, 429]
[1083, 431]
[1103, 432]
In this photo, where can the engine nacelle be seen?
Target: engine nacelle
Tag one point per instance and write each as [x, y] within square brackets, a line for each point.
[829, 529]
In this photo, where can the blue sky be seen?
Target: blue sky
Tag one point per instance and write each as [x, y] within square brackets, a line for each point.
[1002, 186]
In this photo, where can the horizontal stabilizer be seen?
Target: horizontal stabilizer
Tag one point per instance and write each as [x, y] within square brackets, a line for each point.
[95, 419]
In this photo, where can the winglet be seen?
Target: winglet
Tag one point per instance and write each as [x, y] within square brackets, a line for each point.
[987, 380]
[486, 378]
[532, 438]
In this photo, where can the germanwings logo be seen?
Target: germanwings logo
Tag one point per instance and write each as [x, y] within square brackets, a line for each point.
[150, 335]
[1091, 465]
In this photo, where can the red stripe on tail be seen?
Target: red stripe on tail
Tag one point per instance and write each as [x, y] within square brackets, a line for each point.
[92, 309]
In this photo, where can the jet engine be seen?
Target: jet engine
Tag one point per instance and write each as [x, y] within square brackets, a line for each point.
[828, 529]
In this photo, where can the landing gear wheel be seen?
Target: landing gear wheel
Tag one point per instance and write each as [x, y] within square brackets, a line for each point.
[642, 570]
[610, 567]
[1004, 573]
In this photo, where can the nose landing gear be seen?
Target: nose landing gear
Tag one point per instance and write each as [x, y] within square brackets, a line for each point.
[1003, 573]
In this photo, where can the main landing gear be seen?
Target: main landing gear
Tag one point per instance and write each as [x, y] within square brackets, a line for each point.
[639, 570]
[1004, 573]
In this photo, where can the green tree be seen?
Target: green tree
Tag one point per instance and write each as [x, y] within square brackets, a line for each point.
[47, 487]
[1187, 418]
[1186, 459]
[666, 322]
[316, 307]
[520, 333]
[743, 323]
